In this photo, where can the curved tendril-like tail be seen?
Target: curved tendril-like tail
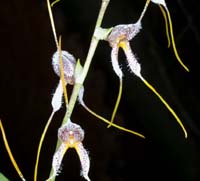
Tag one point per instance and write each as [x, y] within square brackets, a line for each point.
[117, 102]
[62, 73]
[166, 25]
[113, 124]
[10, 153]
[40, 145]
[173, 41]
[52, 23]
[166, 104]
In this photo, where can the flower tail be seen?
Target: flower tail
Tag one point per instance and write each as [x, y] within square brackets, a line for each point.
[166, 25]
[166, 105]
[173, 41]
[10, 153]
[40, 145]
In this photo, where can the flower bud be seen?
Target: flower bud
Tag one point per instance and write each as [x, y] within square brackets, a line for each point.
[69, 63]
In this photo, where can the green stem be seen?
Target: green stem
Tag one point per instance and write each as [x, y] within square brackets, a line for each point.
[72, 102]
[94, 41]
[80, 80]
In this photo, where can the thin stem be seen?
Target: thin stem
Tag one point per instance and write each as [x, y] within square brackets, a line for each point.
[94, 41]
[72, 102]
[144, 10]
[92, 49]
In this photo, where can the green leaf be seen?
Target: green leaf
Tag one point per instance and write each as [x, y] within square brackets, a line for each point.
[3, 178]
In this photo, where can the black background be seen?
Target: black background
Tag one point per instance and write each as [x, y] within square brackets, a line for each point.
[27, 83]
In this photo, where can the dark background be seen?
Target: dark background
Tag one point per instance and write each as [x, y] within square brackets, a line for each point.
[27, 82]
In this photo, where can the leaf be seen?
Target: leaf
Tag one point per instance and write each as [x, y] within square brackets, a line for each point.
[3, 178]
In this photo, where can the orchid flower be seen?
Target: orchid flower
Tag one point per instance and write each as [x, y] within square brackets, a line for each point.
[119, 38]
[71, 135]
